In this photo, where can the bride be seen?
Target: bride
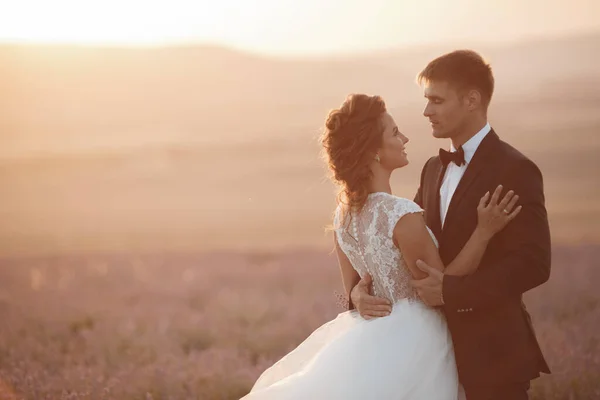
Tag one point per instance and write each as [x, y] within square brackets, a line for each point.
[407, 354]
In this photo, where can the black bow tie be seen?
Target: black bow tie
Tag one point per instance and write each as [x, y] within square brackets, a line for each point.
[457, 157]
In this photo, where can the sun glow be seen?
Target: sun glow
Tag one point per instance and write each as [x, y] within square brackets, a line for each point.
[286, 26]
[126, 22]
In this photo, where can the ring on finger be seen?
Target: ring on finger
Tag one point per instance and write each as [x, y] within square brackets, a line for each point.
[505, 211]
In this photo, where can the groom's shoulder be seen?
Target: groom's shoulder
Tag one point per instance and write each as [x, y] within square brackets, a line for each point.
[432, 162]
[513, 157]
[512, 153]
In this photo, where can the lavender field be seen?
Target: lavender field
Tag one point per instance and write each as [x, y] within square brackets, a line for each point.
[205, 326]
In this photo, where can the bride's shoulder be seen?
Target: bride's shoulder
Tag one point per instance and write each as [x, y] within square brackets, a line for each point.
[394, 208]
[395, 202]
[339, 216]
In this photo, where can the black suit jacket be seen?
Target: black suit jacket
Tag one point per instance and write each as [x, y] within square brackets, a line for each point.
[494, 340]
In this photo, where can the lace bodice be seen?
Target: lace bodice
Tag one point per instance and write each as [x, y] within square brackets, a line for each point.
[367, 240]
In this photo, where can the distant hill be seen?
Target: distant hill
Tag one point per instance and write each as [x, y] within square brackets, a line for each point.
[69, 98]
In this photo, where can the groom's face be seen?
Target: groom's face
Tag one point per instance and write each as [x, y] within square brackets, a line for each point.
[445, 109]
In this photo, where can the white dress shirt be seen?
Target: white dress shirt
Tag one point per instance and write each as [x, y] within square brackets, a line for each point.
[454, 173]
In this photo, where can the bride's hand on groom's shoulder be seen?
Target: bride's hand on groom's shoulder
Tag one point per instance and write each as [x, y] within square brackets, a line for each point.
[367, 305]
[494, 215]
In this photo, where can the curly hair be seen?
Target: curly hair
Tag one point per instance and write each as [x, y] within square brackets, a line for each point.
[353, 133]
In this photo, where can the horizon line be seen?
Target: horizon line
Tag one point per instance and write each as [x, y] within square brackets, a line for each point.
[217, 45]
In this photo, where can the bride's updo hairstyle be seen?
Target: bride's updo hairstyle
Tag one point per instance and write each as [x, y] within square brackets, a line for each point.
[353, 133]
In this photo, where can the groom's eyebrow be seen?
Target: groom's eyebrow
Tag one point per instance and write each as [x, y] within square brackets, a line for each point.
[432, 97]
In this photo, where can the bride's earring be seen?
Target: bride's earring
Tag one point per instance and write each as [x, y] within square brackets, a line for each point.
[377, 158]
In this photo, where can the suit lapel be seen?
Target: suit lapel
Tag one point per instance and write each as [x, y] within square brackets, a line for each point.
[477, 164]
[438, 183]
[432, 201]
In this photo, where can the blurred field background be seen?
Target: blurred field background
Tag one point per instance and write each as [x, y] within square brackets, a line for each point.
[163, 209]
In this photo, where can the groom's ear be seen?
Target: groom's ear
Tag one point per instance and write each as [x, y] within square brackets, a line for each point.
[473, 99]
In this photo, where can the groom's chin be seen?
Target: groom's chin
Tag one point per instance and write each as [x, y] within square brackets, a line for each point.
[439, 135]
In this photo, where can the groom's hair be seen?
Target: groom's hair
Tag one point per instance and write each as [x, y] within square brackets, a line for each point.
[464, 69]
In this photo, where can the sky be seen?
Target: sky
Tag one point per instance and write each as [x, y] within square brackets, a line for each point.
[292, 26]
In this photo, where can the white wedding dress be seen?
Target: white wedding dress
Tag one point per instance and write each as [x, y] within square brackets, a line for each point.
[406, 355]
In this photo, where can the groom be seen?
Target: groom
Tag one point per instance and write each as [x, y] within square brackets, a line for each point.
[496, 349]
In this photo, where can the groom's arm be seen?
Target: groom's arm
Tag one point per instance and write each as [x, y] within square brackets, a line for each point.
[525, 262]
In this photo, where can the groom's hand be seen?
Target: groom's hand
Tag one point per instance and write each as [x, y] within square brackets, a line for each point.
[369, 306]
[430, 288]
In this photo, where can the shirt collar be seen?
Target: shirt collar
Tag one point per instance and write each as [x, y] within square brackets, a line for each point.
[470, 147]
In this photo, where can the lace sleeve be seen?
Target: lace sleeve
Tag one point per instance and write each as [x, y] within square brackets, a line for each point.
[336, 218]
[398, 209]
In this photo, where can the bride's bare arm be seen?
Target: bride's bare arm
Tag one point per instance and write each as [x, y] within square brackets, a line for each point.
[415, 243]
[492, 218]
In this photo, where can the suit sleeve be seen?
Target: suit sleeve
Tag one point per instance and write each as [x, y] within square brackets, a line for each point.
[526, 250]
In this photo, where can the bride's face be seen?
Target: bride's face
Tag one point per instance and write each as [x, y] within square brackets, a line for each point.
[392, 153]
